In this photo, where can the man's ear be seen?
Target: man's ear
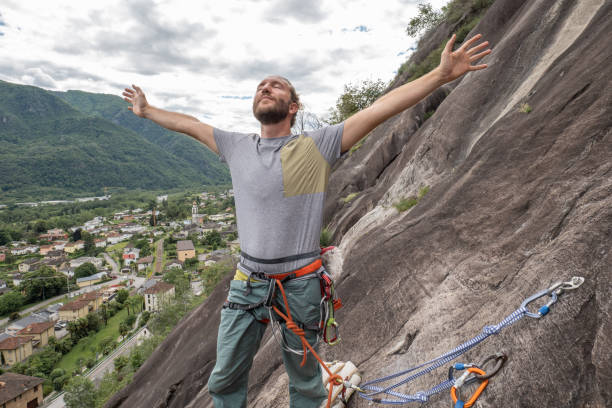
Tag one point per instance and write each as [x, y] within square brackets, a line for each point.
[293, 107]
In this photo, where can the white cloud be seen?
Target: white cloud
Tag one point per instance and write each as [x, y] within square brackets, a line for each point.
[205, 58]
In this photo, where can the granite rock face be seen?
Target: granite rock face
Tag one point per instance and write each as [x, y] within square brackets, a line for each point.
[516, 202]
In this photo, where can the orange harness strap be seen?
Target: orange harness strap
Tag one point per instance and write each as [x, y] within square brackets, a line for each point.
[334, 379]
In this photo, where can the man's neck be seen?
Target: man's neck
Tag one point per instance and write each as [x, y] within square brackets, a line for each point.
[276, 130]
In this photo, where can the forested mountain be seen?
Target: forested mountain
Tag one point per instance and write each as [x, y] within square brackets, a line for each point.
[114, 109]
[50, 150]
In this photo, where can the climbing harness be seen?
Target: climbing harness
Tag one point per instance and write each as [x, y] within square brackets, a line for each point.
[329, 303]
[375, 392]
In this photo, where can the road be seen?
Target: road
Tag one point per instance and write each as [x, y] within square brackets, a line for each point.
[97, 373]
[112, 263]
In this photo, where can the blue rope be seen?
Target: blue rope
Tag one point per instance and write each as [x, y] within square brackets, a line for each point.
[423, 396]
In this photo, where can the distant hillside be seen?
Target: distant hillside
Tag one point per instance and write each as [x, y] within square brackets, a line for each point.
[114, 109]
[51, 150]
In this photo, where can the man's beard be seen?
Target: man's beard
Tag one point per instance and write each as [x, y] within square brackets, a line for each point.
[270, 115]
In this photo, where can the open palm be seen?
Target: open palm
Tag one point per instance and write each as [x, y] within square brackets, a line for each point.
[137, 98]
[453, 64]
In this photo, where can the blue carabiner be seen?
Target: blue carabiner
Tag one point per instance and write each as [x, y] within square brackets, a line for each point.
[544, 309]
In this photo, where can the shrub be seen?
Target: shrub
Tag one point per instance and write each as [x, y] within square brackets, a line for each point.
[325, 239]
[407, 203]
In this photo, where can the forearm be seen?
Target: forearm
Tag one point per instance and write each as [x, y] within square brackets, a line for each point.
[174, 121]
[407, 95]
[394, 102]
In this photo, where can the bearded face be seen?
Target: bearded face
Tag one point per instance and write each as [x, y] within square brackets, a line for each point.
[269, 110]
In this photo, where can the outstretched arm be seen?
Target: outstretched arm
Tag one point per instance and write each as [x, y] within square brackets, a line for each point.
[174, 121]
[453, 64]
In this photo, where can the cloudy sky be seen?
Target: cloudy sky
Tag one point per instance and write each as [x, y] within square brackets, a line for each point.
[205, 57]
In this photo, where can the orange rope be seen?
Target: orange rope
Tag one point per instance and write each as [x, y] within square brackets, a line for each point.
[334, 379]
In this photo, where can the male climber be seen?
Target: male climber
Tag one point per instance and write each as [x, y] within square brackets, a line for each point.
[279, 182]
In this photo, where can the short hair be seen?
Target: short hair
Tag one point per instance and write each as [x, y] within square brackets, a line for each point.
[295, 98]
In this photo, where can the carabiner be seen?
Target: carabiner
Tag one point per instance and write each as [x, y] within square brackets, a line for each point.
[544, 309]
[331, 322]
[554, 291]
[462, 404]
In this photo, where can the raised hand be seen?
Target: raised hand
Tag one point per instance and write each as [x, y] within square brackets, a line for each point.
[138, 100]
[453, 64]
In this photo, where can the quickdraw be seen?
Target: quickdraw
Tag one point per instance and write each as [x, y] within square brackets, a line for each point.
[329, 323]
[374, 390]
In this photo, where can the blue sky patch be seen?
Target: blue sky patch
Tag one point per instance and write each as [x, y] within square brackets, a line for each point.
[235, 97]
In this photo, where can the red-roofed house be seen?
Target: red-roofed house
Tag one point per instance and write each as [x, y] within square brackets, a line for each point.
[157, 294]
[20, 391]
[74, 310]
[15, 349]
[40, 331]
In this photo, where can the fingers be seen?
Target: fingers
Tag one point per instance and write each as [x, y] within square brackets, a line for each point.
[471, 41]
[479, 56]
[450, 44]
[477, 48]
[477, 67]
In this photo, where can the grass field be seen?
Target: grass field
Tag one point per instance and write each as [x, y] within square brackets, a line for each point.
[87, 349]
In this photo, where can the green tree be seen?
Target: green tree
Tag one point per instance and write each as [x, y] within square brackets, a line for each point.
[80, 392]
[87, 269]
[212, 239]
[76, 235]
[124, 329]
[427, 19]
[42, 284]
[121, 362]
[122, 295]
[5, 237]
[179, 279]
[90, 245]
[11, 302]
[355, 98]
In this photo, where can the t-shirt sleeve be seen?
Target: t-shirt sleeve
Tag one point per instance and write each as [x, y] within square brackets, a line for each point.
[329, 141]
[225, 143]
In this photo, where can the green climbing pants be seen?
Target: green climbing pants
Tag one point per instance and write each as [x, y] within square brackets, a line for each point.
[240, 334]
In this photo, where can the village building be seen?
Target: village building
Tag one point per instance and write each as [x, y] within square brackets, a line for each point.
[157, 294]
[59, 245]
[95, 299]
[20, 391]
[100, 242]
[41, 332]
[130, 254]
[91, 280]
[28, 249]
[45, 249]
[174, 263]
[74, 310]
[19, 324]
[54, 263]
[29, 265]
[185, 250]
[53, 235]
[97, 262]
[144, 263]
[14, 350]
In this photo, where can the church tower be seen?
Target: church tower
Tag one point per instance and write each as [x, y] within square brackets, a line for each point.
[194, 213]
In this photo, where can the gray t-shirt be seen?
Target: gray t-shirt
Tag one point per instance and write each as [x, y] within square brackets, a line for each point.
[279, 187]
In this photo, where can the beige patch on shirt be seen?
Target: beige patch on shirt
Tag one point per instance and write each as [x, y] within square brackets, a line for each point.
[305, 170]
